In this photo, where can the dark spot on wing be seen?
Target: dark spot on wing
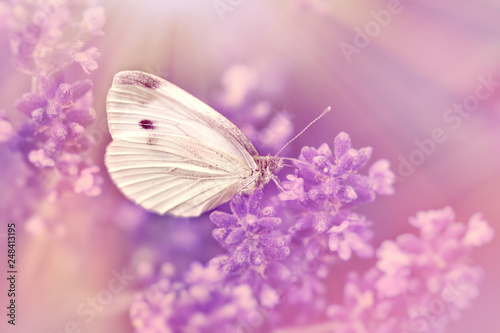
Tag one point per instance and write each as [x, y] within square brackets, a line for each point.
[140, 79]
[147, 124]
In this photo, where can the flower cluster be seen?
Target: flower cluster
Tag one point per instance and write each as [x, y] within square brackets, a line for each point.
[204, 302]
[331, 180]
[248, 233]
[284, 251]
[326, 186]
[44, 40]
[279, 259]
[46, 37]
[419, 283]
[285, 257]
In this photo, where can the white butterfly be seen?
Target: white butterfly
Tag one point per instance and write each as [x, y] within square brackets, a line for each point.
[172, 153]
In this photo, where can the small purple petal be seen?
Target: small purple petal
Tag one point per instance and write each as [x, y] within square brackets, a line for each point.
[339, 228]
[308, 154]
[276, 253]
[479, 232]
[268, 240]
[82, 116]
[364, 155]
[341, 145]
[362, 187]
[348, 160]
[39, 116]
[382, 178]
[254, 200]
[294, 189]
[268, 223]
[333, 242]
[320, 162]
[64, 95]
[87, 59]
[347, 194]
[30, 102]
[344, 251]
[325, 151]
[75, 130]
[27, 129]
[221, 219]
[330, 187]
[40, 159]
[238, 206]
[432, 222]
[236, 236]
[220, 235]
[240, 255]
[89, 182]
[232, 266]
[47, 86]
[80, 88]
[409, 243]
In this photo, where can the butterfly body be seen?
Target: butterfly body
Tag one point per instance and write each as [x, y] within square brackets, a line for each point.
[267, 167]
[173, 154]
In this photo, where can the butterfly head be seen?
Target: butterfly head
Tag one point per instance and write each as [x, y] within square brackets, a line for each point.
[267, 168]
[274, 164]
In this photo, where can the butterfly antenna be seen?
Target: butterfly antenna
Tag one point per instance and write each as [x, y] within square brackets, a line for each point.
[294, 160]
[312, 122]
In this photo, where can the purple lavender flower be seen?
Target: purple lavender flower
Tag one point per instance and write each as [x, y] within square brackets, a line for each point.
[47, 39]
[279, 258]
[280, 254]
[310, 220]
[44, 41]
[207, 301]
[352, 235]
[248, 233]
[419, 283]
[330, 178]
[325, 187]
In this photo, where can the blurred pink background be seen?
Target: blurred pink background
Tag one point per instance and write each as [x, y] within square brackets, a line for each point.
[387, 94]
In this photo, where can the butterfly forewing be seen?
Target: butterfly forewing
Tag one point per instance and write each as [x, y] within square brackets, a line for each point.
[172, 153]
[163, 108]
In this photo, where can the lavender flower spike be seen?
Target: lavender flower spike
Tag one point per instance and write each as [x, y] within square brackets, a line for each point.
[249, 233]
[420, 283]
[207, 301]
[325, 187]
[334, 177]
[53, 136]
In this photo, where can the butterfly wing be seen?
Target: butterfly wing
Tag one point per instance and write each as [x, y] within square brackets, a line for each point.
[172, 153]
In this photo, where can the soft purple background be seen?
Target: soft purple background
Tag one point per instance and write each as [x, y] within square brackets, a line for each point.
[392, 93]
